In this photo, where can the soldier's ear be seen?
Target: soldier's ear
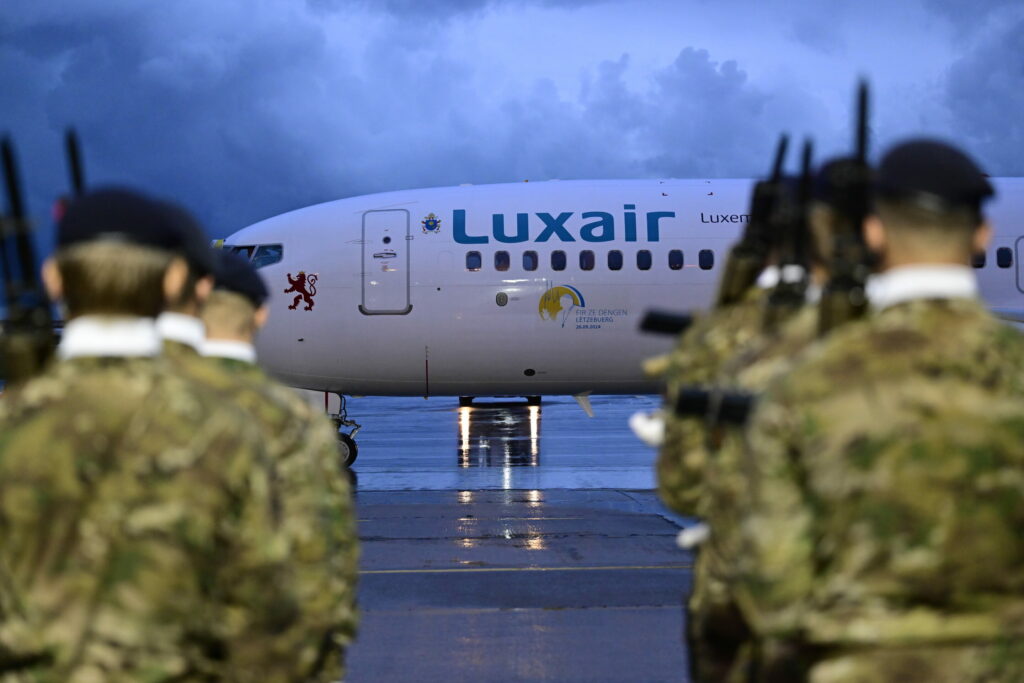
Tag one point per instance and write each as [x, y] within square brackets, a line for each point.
[982, 237]
[204, 286]
[259, 319]
[874, 235]
[52, 280]
[174, 279]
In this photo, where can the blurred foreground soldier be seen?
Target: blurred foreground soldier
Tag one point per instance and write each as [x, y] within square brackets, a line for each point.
[179, 324]
[143, 536]
[881, 528]
[717, 635]
[299, 436]
[234, 313]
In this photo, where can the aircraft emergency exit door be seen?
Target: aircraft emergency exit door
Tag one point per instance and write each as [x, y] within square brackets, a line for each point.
[386, 263]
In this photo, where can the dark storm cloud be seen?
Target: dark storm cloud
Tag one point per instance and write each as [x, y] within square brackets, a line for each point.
[241, 125]
[985, 96]
[244, 113]
[441, 9]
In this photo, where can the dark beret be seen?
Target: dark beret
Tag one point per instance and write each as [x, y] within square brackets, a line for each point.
[235, 274]
[115, 213]
[118, 214]
[933, 174]
[195, 243]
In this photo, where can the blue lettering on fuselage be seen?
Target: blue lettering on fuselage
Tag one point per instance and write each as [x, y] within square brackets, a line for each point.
[592, 226]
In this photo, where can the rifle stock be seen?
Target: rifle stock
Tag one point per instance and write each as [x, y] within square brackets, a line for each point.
[715, 406]
[665, 322]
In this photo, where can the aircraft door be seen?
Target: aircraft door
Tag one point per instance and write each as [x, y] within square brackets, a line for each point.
[386, 263]
[1020, 263]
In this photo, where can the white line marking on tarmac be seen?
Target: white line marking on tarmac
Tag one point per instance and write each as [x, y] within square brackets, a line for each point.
[528, 569]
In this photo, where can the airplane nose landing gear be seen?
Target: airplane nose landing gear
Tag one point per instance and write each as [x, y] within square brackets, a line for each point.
[348, 451]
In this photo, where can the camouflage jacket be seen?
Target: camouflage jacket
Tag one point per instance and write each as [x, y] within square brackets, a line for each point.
[886, 486]
[719, 635]
[145, 535]
[289, 430]
[697, 360]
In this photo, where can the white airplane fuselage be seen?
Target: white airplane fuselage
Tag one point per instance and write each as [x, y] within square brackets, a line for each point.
[399, 306]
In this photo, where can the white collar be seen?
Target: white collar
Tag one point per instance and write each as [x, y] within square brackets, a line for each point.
[181, 328]
[107, 335]
[929, 281]
[229, 348]
[813, 293]
[768, 278]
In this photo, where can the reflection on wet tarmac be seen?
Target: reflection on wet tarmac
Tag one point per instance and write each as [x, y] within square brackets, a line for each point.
[407, 444]
[499, 436]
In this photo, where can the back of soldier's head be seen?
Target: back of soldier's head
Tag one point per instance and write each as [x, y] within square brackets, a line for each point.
[932, 192]
[830, 182]
[113, 249]
[239, 293]
[195, 249]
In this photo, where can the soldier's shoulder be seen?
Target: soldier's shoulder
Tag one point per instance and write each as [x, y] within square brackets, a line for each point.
[84, 383]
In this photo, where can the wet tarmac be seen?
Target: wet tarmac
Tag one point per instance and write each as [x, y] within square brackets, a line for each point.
[506, 542]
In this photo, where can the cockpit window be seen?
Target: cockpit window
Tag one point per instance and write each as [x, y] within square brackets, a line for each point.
[244, 250]
[267, 254]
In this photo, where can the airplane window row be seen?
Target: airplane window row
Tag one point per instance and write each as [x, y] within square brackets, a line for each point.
[1004, 258]
[259, 255]
[588, 260]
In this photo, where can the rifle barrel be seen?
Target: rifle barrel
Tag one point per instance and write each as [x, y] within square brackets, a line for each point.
[780, 157]
[15, 208]
[74, 161]
[862, 122]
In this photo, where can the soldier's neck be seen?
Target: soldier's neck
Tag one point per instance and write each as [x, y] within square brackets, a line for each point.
[917, 281]
[235, 349]
[181, 328]
[108, 336]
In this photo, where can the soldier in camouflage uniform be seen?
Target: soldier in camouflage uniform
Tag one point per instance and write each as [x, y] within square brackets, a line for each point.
[232, 316]
[144, 531]
[880, 533]
[717, 634]
[697, 360]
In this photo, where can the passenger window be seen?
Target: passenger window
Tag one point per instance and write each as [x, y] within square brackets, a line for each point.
[558, 260]
[706, 259]
[1004, 257]
[979, 260]
[586, 260]
[675, 259]
[530, 260]
[502, 260]
[643, 259]
[473, 261]
[614, 260]
[267, 254]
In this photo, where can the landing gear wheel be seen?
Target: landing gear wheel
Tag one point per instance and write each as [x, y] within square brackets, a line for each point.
[347, 449]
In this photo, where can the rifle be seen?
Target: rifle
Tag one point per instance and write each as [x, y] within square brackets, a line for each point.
[843, 297]
[717, 407]
[71, 147]
[746, 259]
[790, 221]
[665, 322]
[749, 256]
[27, 343]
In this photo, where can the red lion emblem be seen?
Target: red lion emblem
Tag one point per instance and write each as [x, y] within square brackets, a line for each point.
[305, 285]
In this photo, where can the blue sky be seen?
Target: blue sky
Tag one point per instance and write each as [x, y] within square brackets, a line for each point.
[243, 109]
